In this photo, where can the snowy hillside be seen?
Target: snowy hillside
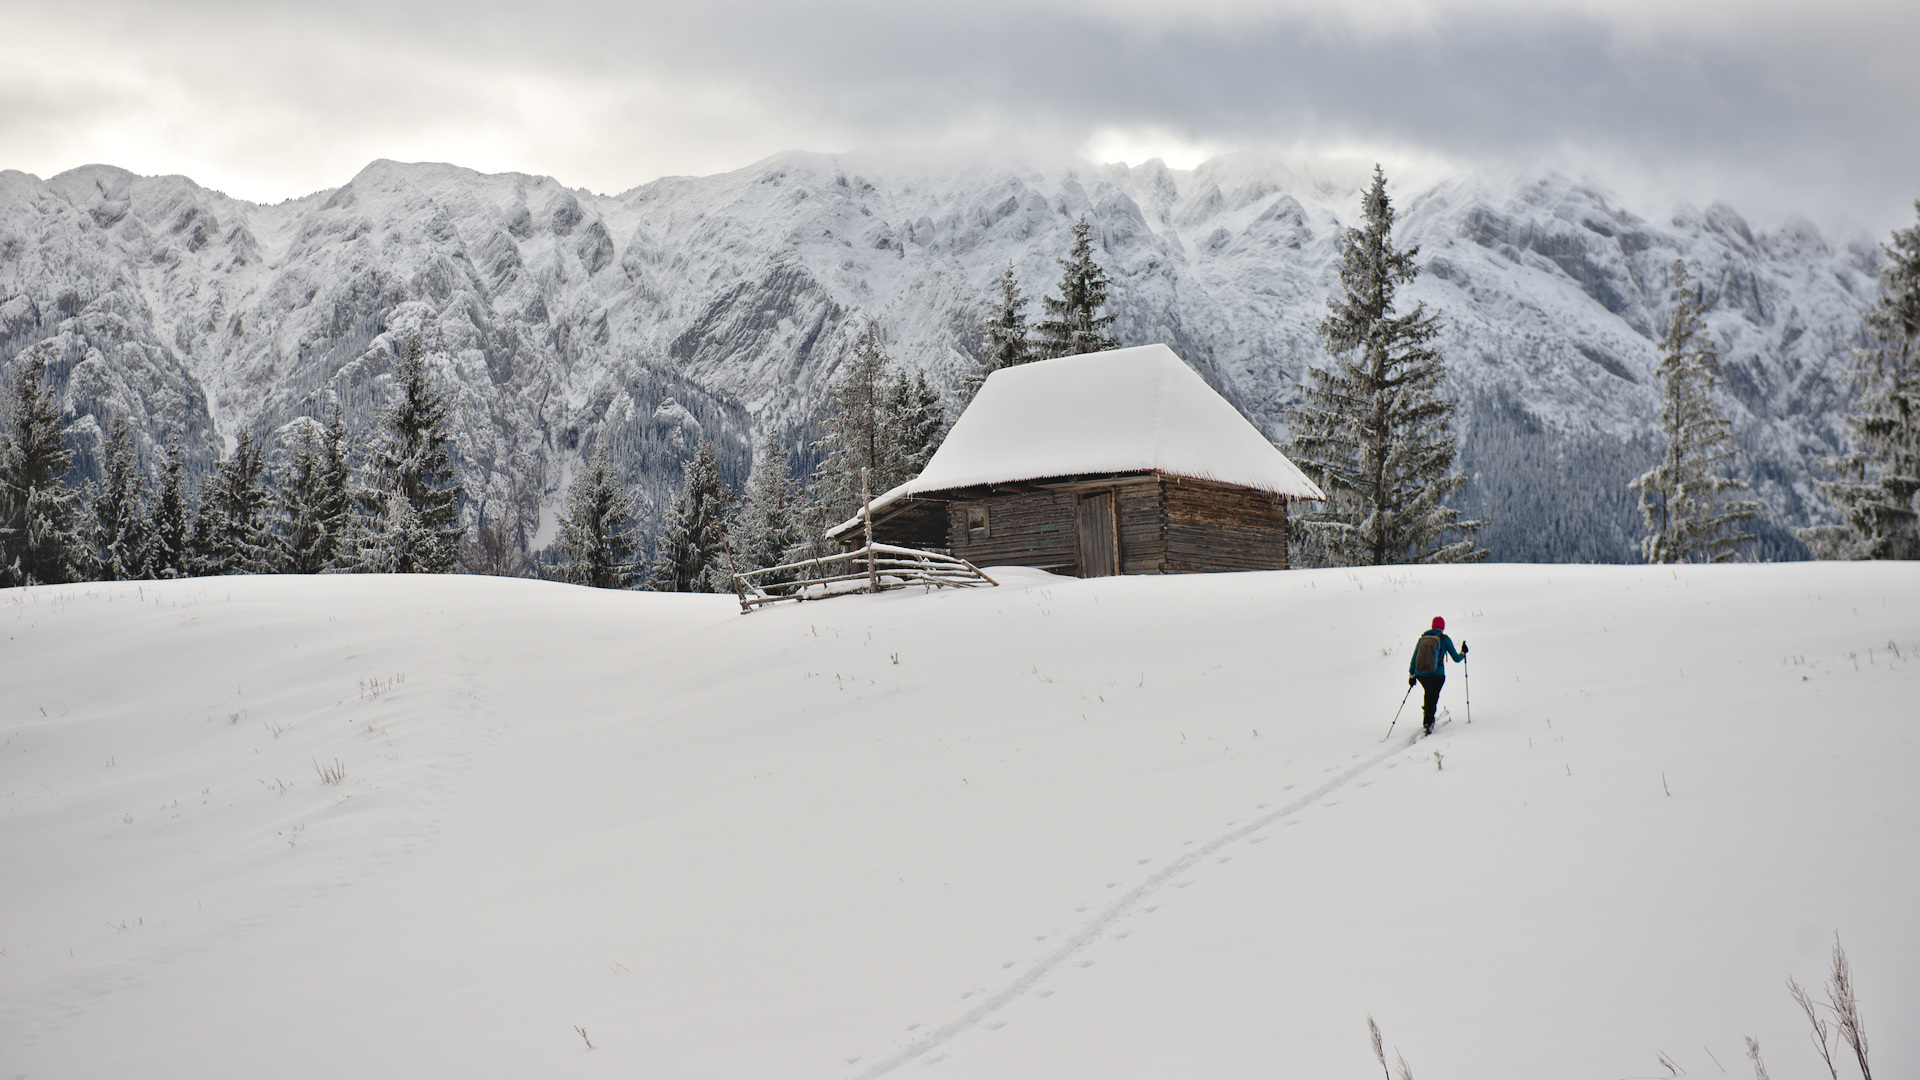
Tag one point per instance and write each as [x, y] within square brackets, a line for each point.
[716, 307]
[1127, 827]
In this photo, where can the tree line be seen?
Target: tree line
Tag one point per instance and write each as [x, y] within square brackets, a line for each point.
[400, 510]
[1691, 501]
[398, 513]
[1375, 434]
[1372, 430]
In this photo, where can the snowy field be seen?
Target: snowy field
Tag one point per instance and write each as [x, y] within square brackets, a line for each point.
[1124, 828]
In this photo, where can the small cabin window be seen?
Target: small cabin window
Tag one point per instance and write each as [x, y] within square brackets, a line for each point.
[977, 522]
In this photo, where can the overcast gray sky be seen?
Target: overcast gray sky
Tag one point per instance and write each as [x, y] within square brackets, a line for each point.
[1774, 106]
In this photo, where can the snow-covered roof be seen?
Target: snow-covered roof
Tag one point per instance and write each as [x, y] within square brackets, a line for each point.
[1128, 410]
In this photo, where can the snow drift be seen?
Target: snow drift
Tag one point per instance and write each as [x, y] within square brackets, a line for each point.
[1127, 827]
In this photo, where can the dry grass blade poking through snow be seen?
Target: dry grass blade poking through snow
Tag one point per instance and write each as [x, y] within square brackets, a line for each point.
[1846, 1010]
[1378, 1051]
[1819, 1026]
[1753, 1055]
[330, 774]
[1846, 1014]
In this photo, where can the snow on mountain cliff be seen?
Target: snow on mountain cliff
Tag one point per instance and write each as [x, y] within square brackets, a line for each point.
[1124, 828]
[560, 317]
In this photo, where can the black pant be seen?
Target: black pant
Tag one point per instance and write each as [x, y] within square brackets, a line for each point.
[1431, 684]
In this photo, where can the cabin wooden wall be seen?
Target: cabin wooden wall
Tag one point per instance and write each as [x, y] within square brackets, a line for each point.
[1166, 526]
[1215, 527]
[1026, 529]
[1143, 533]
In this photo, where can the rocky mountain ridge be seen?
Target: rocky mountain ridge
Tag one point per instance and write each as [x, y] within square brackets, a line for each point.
[718, 307]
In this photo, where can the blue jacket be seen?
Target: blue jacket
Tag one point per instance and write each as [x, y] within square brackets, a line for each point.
[1439, 655]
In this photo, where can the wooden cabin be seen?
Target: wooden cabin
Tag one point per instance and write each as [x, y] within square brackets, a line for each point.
[1120, 462]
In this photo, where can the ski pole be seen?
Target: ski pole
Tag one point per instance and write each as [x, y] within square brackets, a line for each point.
[1396, 713]
[1466, 679]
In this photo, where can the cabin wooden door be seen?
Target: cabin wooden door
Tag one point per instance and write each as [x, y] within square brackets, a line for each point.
[1097, 535]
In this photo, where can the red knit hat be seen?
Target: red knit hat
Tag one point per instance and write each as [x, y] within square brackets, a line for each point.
[1439, 623]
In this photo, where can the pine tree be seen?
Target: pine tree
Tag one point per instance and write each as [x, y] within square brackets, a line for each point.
[316, 504]
[690, 554]
[401, 543]
[855, 435]
[1006, 336]
[232, 533]
[169, 551]
[767, 529]
[119, 510]
[412, 459]
[596, 532]
[1373, 432]
[1879, 495]
[1074, 324]
[912, 425]
[886, 423]
[1681, 498]
[40, 533]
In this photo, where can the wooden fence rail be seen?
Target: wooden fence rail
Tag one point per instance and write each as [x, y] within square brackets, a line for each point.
[872, 568]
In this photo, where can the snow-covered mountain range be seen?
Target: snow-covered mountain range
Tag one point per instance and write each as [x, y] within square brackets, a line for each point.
[720, 307]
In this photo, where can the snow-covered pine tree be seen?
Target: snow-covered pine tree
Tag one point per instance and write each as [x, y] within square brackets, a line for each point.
[1683, 497]
[316, 503]
[768, 526]
[856, 433]
[912, 424]
[170, 525]
[883, 421]
[119, 510]
[690, 553]
[41, 541]
[1373, 431]
[412, 459]
[1074, 323]
[1879, 493]
[1006, 342]
[296, 528]
[402, 543]
[596, 532]
[233, 532]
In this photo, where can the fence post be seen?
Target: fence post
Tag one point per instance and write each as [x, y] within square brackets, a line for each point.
[739, 587]
[866, 518]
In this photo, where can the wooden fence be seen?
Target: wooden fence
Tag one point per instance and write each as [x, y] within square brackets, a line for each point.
[868, 569]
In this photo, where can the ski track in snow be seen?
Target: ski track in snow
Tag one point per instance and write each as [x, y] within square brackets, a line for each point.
[1125, 904]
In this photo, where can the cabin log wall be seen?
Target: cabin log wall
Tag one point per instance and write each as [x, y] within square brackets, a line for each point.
[1026, 529]
[1167, 525]
[1216, 528]
[1143, 528]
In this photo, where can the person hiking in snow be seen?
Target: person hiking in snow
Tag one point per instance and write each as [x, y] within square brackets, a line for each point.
[1429, 666]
